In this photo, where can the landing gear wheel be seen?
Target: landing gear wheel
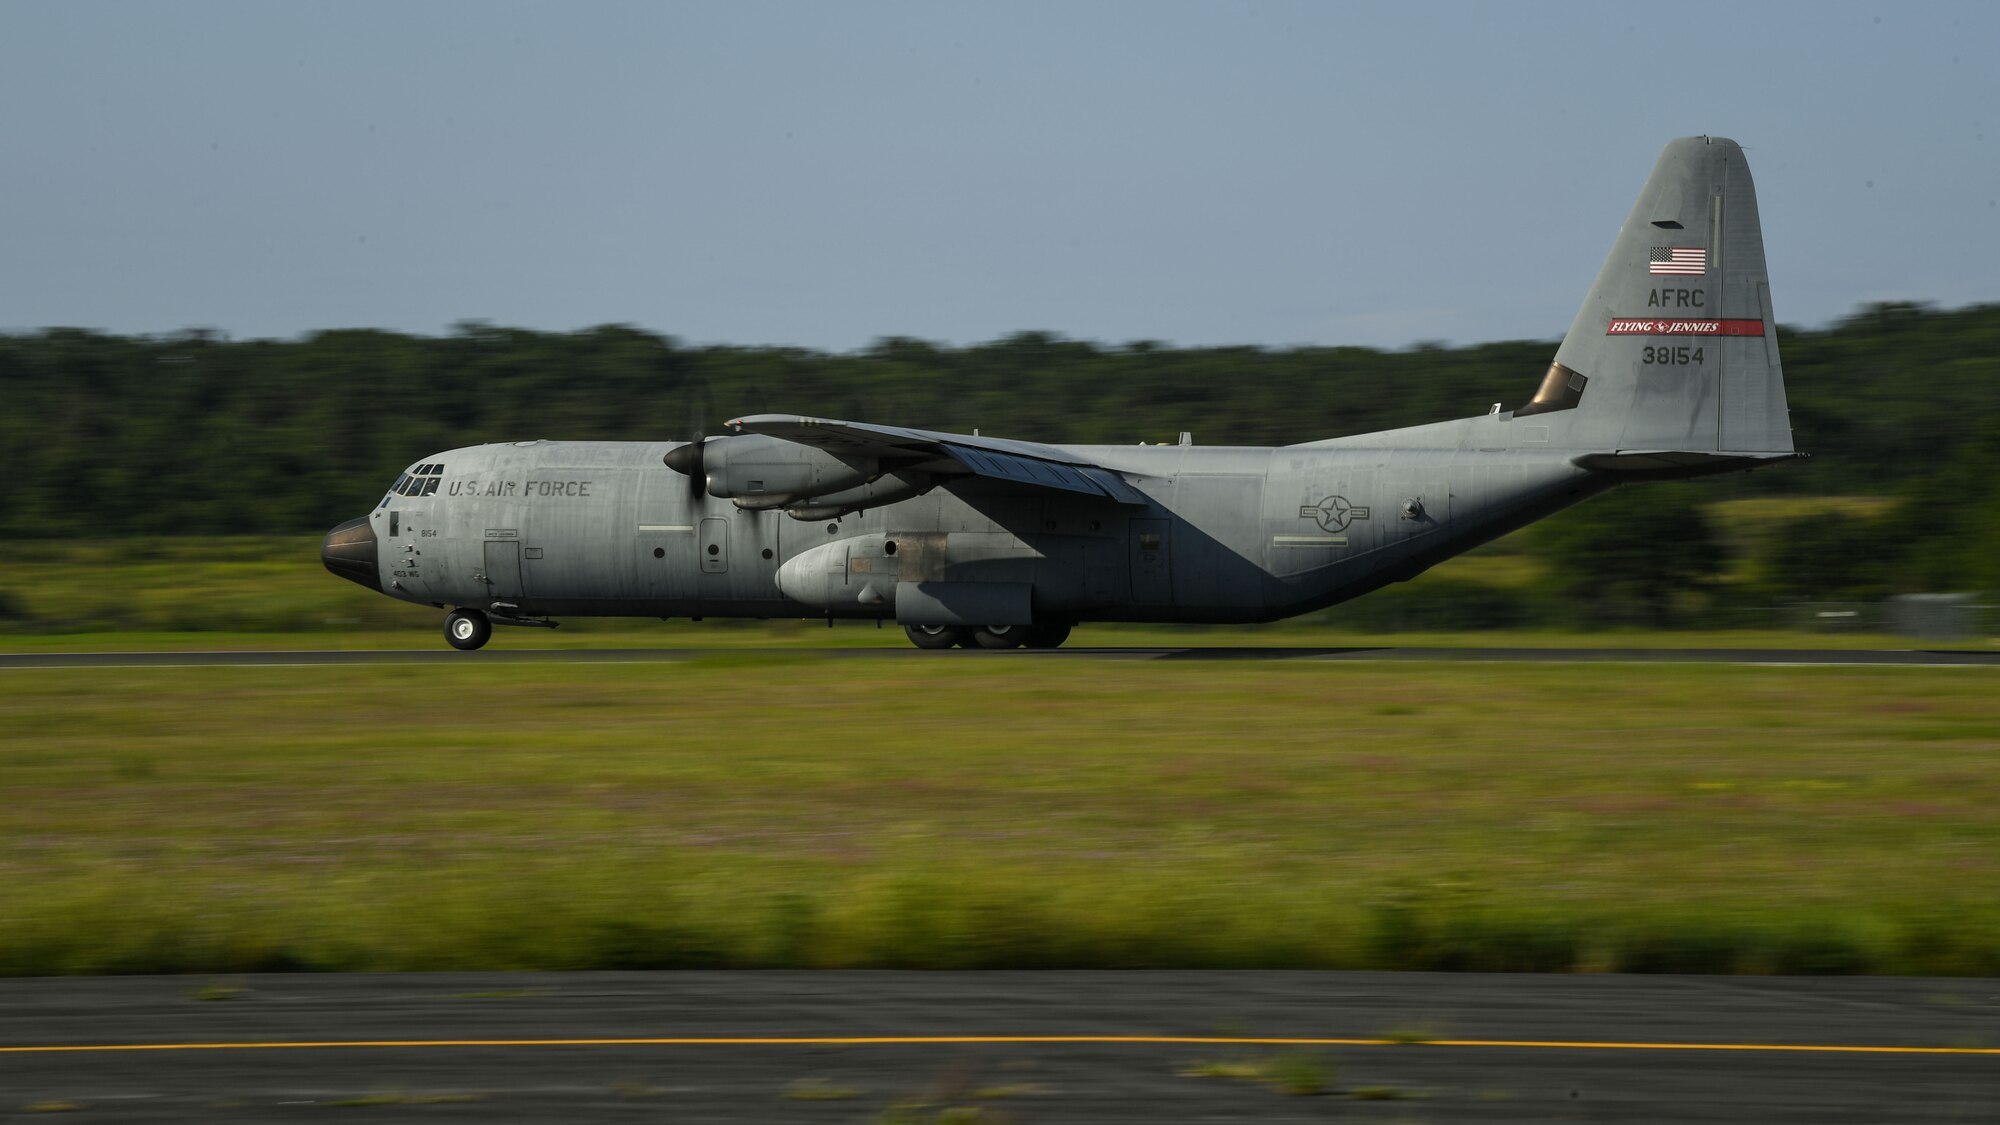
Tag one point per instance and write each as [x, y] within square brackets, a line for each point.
[1000, 636]
[934, 636]
[466, 629]
[1048, 634]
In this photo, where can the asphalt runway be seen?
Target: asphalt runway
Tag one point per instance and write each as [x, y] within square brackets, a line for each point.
[504, 655]
[1020, 1047]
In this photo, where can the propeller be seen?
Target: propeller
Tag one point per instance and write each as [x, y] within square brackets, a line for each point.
[687, 460]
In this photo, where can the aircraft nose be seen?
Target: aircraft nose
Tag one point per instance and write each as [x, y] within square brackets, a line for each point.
[349, 551]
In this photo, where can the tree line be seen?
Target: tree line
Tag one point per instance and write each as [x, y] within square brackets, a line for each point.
[197, 434]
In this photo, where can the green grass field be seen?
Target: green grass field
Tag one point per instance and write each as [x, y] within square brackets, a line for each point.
[755, 809]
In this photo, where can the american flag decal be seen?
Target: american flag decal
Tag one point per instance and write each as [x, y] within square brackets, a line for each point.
[1690, 261]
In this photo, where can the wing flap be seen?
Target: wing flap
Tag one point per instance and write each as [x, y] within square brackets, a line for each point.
[1022, 470]
[1114, 486]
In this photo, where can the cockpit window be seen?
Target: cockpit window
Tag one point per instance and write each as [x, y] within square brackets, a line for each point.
[420, 481]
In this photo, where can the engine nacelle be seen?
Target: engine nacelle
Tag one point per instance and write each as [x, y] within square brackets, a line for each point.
[760, 472]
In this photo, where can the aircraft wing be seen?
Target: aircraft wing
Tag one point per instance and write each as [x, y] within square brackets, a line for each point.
[964, 455]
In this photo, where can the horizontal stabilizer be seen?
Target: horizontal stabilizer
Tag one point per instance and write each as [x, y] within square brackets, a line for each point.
[1675, 463]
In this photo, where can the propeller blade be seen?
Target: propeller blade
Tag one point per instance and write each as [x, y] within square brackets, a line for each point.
[688, 459]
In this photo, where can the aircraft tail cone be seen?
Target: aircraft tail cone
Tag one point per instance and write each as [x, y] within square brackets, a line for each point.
[349, 550]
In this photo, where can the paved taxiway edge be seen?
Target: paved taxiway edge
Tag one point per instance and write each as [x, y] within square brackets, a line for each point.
[1928, 658]
[1038, 1046]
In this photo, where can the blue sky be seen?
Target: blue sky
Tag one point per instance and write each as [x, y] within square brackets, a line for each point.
[822, 174]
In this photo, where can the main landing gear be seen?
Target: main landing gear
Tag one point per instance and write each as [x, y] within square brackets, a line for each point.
[1046, 634]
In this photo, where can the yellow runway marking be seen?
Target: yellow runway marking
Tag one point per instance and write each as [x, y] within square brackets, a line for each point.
[936, 1040]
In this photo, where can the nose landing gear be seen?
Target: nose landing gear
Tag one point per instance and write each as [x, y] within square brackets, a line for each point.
[466, 629]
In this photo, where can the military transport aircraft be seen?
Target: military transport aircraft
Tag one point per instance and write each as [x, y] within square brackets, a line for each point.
[1670, 370]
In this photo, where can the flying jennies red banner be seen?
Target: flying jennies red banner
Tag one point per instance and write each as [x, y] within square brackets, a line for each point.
[1623, 327]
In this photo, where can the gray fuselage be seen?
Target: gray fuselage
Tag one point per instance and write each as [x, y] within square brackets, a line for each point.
[553, 528]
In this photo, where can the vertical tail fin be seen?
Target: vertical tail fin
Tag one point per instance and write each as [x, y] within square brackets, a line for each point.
[1675, 348]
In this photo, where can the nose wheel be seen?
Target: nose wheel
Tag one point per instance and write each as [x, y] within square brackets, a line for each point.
[466, 629]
